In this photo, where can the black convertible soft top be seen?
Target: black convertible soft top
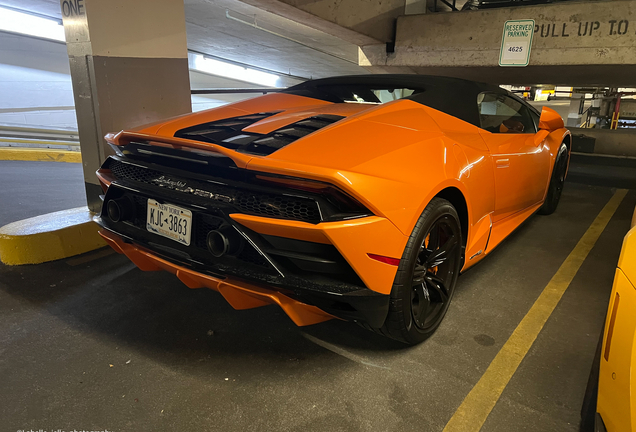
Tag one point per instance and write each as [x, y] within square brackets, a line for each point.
[453, 96]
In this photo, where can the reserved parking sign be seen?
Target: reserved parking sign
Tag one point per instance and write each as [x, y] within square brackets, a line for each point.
[516, 43]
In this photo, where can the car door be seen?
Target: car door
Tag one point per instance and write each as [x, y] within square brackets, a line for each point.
[521, 163]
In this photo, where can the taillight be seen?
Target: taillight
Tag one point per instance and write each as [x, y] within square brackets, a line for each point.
[300, 184]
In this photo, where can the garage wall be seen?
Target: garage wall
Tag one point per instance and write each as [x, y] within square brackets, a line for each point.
[200, 81]
[35, 83]
[621, 142]
[36, 89]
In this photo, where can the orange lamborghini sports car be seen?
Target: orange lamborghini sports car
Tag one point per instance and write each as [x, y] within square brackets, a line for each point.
[360, 197]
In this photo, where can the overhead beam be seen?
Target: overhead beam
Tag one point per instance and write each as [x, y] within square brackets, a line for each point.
[575, 43]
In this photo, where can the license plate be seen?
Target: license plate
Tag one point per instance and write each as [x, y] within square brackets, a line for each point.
[169, 221]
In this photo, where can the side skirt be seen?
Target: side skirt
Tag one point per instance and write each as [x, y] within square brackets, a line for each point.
[503, 228]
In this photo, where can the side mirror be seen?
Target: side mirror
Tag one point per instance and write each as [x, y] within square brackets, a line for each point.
[550, 120]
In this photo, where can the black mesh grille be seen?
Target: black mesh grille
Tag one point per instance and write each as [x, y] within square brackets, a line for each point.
[278, 206]
[133, 172]
[248, 202]
[141, 204]
[229, 133]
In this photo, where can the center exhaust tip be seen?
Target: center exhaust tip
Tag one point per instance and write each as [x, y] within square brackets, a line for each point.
[225, 240]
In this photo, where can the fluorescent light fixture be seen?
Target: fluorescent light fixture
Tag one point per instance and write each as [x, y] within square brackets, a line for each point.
[25, 23]
[216, 67]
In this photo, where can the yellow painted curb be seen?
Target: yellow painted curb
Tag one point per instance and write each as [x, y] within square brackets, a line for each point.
[33, 154]
[49, 237]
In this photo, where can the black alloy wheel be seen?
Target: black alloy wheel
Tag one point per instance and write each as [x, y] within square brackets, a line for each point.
[434, 273]
[427, 275]
[555, 188]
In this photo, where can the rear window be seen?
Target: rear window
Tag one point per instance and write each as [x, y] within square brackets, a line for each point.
[377, 95]
[357, 93]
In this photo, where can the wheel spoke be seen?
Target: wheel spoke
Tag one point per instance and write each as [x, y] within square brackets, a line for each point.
[437, 285]
[434, 272]
[418, 274]
[433, 243]
[440, 255]
[433, 240]
[420, 301]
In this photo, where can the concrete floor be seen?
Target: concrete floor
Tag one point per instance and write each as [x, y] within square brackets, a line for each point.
[92, 342]
[30, 189]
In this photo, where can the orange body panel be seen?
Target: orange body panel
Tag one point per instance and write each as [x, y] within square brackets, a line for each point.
[354, 239]
[260, 104]
[393, 158]
[616, 401]
[296, 114]
[521, 171]
[504, 227]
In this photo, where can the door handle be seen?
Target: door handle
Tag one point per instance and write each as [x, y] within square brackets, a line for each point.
[502, 163]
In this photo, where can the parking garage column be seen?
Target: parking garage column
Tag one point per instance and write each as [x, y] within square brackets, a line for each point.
[576, 110]
[129, 66]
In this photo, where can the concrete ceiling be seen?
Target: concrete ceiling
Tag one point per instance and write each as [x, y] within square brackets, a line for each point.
[299, 50]
[232, 30]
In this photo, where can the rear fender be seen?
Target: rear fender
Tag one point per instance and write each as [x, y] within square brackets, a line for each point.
[479, 226]
[554, 141]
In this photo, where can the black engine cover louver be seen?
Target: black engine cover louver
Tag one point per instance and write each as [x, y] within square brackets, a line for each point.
[229, 133]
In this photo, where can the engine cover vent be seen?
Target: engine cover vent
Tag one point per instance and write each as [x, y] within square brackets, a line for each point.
[229, 133]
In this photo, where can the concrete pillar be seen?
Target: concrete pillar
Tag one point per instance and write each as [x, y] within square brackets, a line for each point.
[414, 7]
[129, 66]
[595, 109]
[576, 110]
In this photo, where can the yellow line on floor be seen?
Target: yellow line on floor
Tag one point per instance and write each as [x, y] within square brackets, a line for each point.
[474, 410]
[39, 141]
[34, 154]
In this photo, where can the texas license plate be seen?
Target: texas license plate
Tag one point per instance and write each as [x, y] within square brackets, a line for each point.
[169, 221]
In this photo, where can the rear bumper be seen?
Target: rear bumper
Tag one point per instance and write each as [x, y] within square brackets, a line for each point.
[351, 240]
[304, 307]
[321, 263]
[240, 295]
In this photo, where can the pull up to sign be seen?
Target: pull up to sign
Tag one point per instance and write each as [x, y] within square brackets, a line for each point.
[516, 43]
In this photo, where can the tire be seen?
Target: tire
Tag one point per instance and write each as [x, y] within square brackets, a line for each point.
[588, 410]
[427, 275]
[555, 188]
